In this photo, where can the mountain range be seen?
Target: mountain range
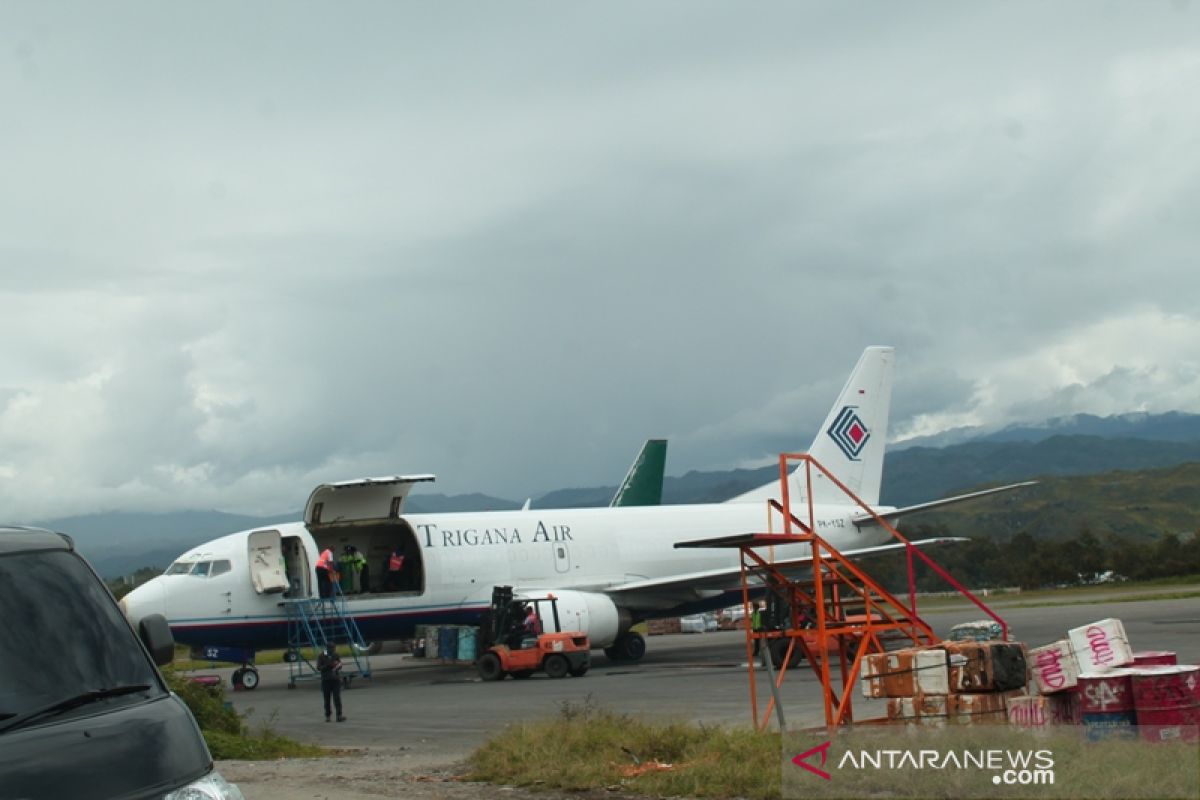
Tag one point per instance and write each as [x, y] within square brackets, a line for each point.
[119, 542]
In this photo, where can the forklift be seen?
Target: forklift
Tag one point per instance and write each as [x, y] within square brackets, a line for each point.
[507, 648]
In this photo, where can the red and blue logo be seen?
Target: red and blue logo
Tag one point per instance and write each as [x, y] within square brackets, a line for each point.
[849, 432]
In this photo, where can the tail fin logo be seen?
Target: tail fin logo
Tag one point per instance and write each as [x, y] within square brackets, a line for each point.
[849, 433]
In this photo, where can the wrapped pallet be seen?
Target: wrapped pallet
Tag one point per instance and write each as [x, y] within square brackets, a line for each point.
[987, 666]
[905, 673]
[980, 709]
[928, 710]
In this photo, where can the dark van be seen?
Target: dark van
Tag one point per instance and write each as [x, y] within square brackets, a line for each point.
[84, 712]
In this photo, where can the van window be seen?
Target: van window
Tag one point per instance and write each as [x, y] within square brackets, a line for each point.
[53, 604]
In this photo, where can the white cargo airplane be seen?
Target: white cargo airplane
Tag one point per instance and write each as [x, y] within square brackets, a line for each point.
[609, 567]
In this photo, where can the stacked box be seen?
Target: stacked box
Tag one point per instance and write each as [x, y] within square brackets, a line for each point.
[1041, 711]
[1101, 645]
[986, 666]
[1053, 667]
[658, 627]
[924, 710]
[905, 673]
[983, 708]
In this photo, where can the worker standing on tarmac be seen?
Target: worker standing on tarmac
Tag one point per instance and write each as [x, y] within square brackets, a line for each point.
[330, 666]
[756, 623]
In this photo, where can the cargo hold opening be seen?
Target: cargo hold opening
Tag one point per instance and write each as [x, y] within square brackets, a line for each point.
[376, 541]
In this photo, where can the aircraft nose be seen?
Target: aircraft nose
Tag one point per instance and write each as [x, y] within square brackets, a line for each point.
[149, 598]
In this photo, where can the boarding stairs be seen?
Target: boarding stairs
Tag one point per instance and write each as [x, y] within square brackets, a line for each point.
[313, 623]
[829, 608]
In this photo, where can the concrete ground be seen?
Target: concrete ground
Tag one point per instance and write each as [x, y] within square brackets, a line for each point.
[414, 718]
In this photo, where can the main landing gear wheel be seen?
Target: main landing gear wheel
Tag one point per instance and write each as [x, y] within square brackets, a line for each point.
[629, 646]
[489, 668]
[557, 666]
[291, 656]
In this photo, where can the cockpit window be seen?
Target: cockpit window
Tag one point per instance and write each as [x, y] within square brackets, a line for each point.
[200, 569]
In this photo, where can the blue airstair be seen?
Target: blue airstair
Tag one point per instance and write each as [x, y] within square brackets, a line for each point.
[314, 622]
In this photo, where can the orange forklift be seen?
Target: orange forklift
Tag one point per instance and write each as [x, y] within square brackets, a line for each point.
[509, 647]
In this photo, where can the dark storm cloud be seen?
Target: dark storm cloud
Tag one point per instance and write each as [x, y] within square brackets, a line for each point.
[250, 248]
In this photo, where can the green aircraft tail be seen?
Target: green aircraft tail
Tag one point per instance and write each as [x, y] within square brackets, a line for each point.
[644, 482]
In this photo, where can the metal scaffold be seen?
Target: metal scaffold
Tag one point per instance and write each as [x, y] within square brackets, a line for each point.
[314, 622]
[824, 605]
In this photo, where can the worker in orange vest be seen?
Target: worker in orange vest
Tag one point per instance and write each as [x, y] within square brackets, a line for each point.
[395, 564]
[325, 573]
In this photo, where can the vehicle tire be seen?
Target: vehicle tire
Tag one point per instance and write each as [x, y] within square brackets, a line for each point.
[779, 648]
[291, 656]
[579, 671]
[236, 677]
[556, 666]
[522, 674]
[490, 668]
[629, 646]
[250, 679]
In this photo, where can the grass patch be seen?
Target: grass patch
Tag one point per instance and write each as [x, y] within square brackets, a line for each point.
[226, 732]
[585, 747]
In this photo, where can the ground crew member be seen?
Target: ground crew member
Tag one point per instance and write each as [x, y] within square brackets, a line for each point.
[394, 565]
[756, 623]
[325, 573]
[330, 667]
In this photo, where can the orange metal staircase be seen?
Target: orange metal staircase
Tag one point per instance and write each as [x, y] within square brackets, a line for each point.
[851, 614]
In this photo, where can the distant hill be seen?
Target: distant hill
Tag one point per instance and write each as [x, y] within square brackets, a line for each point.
[118, 543]
[1139, 504]
[924, 473]
[1173, 426]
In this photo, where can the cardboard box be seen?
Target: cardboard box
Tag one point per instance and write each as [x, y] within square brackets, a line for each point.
[1101, 645]
[1053, 667]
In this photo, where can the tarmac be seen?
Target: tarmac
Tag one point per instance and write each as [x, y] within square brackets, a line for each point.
[424, 716]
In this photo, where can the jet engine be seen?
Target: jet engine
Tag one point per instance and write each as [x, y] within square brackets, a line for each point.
[594, 614]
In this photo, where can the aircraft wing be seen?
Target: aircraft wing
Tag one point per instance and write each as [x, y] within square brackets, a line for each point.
[891, 516]
[698, 585]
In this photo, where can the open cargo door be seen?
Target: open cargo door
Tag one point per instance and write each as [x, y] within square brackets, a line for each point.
[266, 562]
[364, 500]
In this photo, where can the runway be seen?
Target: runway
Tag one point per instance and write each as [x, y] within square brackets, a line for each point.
[439, 713]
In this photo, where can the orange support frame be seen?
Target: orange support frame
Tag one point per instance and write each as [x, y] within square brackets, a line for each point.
[835, 586]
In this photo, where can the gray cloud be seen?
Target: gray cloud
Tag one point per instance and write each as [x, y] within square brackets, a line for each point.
[251, 248]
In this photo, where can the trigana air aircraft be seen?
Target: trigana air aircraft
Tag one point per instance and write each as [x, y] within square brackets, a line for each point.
[610, 567]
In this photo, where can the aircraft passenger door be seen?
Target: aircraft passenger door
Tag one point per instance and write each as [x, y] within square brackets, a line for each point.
[562, 557]
[266, 562]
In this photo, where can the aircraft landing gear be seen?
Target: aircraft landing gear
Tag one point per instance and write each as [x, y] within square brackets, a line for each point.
[629, 646]
[245, 678]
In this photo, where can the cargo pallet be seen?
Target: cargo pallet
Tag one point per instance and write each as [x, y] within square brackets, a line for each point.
[852, 614]
[314, 622]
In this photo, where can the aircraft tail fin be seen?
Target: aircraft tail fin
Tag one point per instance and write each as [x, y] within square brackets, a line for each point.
[644, 482]
[850, 443]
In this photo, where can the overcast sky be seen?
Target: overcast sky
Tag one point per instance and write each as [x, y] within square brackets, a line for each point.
[248, 247]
